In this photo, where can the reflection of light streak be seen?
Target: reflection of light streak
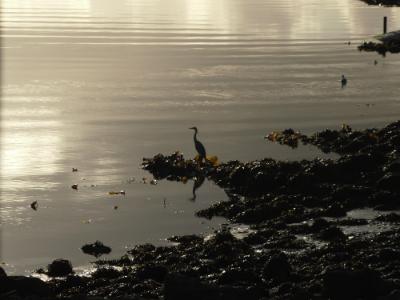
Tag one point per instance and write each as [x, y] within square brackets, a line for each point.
[36, 5]
[29, 153]
[30, 139]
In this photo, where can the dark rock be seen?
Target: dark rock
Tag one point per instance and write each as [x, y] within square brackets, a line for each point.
[332, 233]
[28, 286]
[347, 284]
[186, 239]
[388, 254]
[335, 210]
[390, 182]
[108, 273]
[179, 287]
[2, 273]
[96, 249]
[392, 218]
[319, 224]
[151, 271]
[278, 268]
[59, 267]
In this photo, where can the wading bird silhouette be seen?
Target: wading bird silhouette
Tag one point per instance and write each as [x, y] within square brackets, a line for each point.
[198, 145]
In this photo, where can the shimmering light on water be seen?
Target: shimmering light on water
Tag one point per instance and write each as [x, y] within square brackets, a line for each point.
[97, 85]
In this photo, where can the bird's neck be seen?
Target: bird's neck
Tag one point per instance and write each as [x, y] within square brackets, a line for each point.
[195, 135]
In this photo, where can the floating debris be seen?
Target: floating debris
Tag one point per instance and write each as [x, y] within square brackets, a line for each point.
[153, 182]
[74, 186]
[213, 160]
[122, 192]
[116, 207]
[74, 169]
[34, 205]
[131, 180]
[343, 81]
[286, 137]
[96, 249]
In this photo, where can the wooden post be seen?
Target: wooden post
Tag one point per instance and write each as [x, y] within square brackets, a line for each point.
[384, 25]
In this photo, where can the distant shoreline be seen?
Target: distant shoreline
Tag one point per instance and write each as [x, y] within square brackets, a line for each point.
[383, 2]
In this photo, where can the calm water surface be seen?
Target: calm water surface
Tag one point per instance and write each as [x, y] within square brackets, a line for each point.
[97, 85]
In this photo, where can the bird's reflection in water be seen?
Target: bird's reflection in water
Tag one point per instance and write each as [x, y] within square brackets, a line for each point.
[197, 183]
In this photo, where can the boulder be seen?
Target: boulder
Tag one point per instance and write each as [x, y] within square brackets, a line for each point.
[59, 267]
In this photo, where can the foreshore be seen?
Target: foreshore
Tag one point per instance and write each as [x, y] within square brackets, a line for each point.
[319, 229]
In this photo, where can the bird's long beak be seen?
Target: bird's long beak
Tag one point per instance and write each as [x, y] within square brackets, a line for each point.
[191, 128]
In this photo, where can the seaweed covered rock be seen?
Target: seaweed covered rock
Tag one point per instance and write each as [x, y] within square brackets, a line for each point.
[382, 2]
[96, 249]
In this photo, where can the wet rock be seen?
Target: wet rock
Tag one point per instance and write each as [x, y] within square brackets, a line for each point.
[180, 287]
[278, 268]
[390, 182]
[152, 271]
[3, 273]
[332, 233]
[319, 224]
[352, 222]
[59, 267]
[186, 239]
[335, 210]
[96, 249]
[29, 286]
[104, 272]
[4, 281]
[392, 218]
[347, 284]
[384, 200]
[388, 254]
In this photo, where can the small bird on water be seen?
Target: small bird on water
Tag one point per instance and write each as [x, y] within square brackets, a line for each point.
[344, 81]
[34, 205]
[198, 145]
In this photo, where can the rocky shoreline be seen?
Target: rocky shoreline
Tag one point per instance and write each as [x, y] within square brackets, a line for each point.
[303, 241]
[382, 2]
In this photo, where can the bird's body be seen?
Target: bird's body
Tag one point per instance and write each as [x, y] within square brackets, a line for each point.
[198, 145]
[34, 205]
[344, 81]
